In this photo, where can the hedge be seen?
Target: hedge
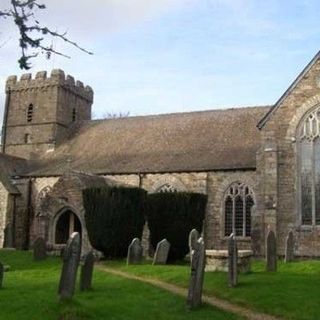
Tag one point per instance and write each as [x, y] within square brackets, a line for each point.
[173, 216]
[114, 216]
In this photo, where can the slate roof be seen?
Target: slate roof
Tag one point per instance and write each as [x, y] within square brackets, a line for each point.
[11, 166]
[180, 142]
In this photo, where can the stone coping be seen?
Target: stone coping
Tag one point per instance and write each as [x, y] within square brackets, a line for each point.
[224, 253]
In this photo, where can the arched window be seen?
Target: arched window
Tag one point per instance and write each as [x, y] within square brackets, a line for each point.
[238, 203]
[74, 114]
[30, 112]
[308, 139]
[167, 188]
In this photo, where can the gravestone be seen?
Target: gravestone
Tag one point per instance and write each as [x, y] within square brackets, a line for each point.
[71, 258]
[197, 275]
[232, 261]
[86, 272]
[193, 238]
[8, 236]
[1, 274]
[134, 252]
[289, 251]
[271, 252]
[162, 252]
[39, 249]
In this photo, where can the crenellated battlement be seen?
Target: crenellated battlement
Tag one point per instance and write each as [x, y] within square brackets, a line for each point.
[57, 78]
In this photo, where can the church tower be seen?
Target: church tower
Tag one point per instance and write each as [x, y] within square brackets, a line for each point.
[38, 112]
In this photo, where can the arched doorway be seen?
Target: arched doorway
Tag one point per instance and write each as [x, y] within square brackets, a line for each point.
[67, 223]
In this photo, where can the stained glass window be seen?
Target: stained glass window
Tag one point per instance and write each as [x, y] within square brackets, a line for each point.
[238, 203]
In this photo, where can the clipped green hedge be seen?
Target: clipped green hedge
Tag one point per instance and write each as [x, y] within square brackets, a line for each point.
[173, 216]
[114, 216]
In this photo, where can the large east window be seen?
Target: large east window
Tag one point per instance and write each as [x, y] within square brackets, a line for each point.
[238, 203]
[309, 168]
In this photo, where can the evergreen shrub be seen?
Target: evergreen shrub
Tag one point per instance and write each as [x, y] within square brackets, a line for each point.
[114, 216]
[173, 216]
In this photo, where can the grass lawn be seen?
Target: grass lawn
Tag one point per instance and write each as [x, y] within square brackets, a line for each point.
[293, 292]
[30, 292]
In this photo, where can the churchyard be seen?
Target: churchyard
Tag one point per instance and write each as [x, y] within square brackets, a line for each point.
[173, 277]
[30, 288]
[30, 291]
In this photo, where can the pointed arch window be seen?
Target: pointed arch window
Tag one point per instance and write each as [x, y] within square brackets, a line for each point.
[74, 115]
[309, 167]
[238, 203]
[30, 113]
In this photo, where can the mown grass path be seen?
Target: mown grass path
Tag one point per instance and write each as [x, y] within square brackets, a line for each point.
[211, 300]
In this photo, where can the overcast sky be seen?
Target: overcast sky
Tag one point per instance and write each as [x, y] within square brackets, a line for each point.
[160, 56]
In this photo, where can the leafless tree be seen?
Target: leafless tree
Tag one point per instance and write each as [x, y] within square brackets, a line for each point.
[22, 13]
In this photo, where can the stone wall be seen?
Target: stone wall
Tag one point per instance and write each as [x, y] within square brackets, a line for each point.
[277, 165]
[4, 195]
[54, 100]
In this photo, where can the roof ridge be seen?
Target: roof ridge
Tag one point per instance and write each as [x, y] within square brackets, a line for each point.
[160, 115]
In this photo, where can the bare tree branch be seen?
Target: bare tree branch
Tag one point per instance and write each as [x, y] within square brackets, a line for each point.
[22, 13]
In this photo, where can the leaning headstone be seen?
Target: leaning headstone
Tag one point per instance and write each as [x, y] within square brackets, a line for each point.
[193, 238]
[289, 251]
[232, 261]
[1, 274]
[71, 258]
[197, 274]
[271, 252]
[86, 272]
[8, 236]
[162, 252]
[134, 252]
[39, 249]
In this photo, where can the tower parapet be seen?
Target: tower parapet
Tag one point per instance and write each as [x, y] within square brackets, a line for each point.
[40, 110]
[57, 78]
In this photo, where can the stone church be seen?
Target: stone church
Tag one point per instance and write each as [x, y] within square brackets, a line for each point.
[259, 166]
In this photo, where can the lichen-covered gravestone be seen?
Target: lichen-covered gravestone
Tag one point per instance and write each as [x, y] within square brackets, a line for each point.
[39, 249]
[134, 252]
[1, 274]
[197, 275]
[86, 272]
[289, 251]
[71, 258]
[193, 238]
[271, 252]
[162, 252]
[232, 261]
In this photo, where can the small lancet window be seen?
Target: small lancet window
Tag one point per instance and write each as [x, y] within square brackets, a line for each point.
[27, 138]
[238, 203]
[74, 114]
[30, 112]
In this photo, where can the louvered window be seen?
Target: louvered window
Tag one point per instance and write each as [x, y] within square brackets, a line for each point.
[30, 113]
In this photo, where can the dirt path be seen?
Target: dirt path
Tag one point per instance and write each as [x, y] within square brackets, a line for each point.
[211, 300]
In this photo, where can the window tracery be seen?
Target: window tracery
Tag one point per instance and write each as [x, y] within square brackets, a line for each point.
[238, 203]
[167, 188]
[309, 168]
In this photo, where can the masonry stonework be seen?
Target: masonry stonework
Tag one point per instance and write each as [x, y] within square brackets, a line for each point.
[194, 152]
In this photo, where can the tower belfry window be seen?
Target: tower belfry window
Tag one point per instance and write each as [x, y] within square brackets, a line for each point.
[30, 113]
[74, 114]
